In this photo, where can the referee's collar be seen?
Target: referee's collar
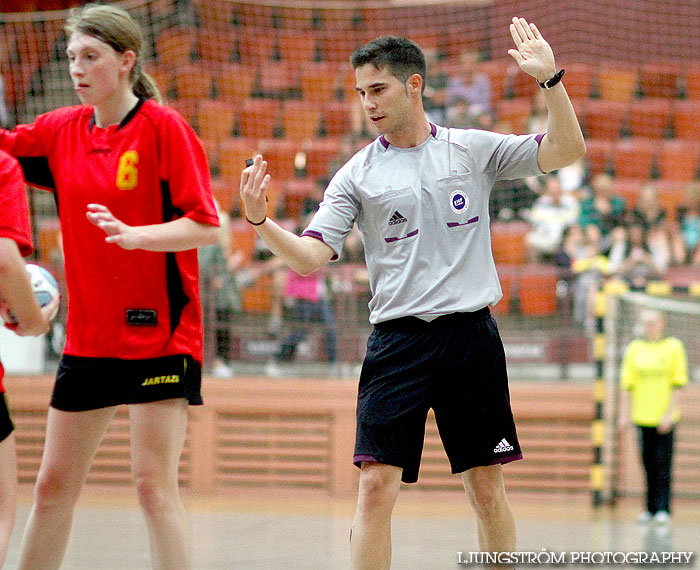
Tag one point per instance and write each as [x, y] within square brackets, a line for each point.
[385, 143]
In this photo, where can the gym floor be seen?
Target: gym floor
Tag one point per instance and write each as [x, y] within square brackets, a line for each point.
[304, 532]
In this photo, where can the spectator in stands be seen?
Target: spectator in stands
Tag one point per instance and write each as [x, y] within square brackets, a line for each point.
[687, 238]
[468, 83]
[550, 215]
[602, 208]
[221, 280]
[654, 369]
[435, 84]
[630, 257]
[419, 195]
[19, 311]
[582, 254]
[649, 213]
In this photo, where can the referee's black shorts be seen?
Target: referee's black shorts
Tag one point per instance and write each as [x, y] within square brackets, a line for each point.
[84, 383]
[455, 365]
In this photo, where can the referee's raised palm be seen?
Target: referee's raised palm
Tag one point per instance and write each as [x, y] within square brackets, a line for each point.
[533, 54]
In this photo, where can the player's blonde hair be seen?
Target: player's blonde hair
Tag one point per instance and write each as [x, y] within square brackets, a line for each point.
[116, 28]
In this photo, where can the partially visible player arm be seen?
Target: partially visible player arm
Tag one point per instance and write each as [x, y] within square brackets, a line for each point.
[563, 143]
[178, 235]
[17, 295]
[303, 254]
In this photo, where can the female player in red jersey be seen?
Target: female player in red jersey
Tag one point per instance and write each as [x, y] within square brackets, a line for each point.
[132, 187]
[17, 299]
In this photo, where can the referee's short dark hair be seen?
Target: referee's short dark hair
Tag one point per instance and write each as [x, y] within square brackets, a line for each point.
[401, 56]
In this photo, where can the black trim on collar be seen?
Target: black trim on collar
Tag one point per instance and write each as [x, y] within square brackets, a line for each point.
[125, 121]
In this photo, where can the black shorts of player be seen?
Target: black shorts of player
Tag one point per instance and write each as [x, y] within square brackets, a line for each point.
[6, 425]
[455, 365]
[84, 383]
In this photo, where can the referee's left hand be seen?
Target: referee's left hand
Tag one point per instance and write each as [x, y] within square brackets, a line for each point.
[533, 54]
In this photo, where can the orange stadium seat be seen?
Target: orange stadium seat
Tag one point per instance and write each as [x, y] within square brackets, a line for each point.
[603, 118]
[232, 155]
[578, 80]
[515, 112]
[691, 82]
[649, 117]
[234, 82]
[686, 119]
[211, 149]
[496, 70]
[300, 120]
[660, 79]
[319, 155]
[508, 277]
[678, 159]
[214, 14]
[259, 118]
[508, 242]
[175, 46]
[617, 82]
[280, 155]
[634, 158]
[628, 188]
[296, 17]
[458, 40]
[193, 80]
[256, 45]
[163, 78]
[338, 45]
[277, 79]
[598, 153]
[672, 194]
[520, 84]
[217, 45]
[254, 15]
[537, 289]
[215, 119]
[226, 193]
[336, 118]
[318, 81]
[296, 191]
[186, 107]
[297, 46]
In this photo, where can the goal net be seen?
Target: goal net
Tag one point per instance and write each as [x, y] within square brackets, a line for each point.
[622, 325]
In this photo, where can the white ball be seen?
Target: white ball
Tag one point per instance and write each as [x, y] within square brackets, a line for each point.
[44, 285]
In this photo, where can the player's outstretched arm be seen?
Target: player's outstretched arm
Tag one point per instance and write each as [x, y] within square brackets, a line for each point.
[303, 254]
[563, 143]
[179, 235]
[17, 297]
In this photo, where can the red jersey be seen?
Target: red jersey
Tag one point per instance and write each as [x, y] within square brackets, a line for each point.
[149, 169]
[14, 212]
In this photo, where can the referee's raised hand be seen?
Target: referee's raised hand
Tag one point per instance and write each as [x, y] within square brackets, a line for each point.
[254, 182]
[532, 54]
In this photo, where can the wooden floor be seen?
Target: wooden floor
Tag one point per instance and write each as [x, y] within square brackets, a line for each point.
[257, 532]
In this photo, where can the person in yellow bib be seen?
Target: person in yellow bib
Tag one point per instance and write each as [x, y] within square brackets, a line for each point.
[654, 369]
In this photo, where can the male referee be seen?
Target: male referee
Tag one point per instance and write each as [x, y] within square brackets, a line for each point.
[419, 195]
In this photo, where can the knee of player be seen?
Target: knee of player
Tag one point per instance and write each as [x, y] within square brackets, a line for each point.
[379, 485]
[151, 493]
[486, 492]
[54, 488]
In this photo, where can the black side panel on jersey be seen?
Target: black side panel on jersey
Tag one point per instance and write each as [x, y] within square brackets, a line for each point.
[176, 293]
[36, 171]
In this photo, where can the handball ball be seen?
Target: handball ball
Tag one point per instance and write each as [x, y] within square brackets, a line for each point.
[44, 285]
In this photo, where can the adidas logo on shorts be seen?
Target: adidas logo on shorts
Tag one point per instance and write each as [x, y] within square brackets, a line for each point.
[397, 218]
[503, 446]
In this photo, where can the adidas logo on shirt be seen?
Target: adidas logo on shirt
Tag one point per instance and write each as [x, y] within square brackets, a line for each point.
[503, 446]
[397, 218]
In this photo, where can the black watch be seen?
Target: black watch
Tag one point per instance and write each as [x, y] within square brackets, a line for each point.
[552, 81]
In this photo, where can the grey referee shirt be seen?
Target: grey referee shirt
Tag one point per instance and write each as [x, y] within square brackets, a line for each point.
[424, 217]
